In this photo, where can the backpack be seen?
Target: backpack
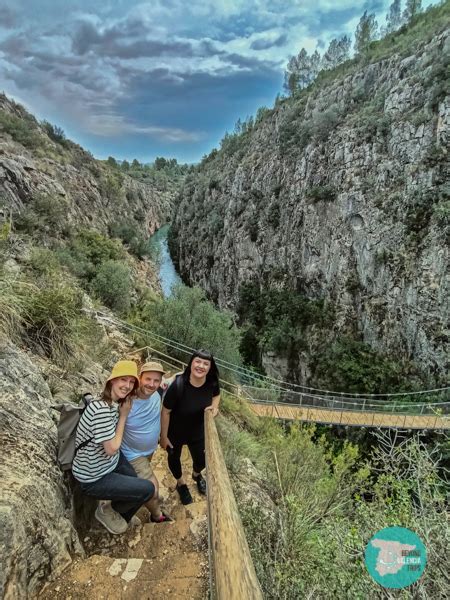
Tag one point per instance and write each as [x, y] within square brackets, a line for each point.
[70, 415]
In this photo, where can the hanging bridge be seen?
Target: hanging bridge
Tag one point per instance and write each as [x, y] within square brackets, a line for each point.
[269, 397]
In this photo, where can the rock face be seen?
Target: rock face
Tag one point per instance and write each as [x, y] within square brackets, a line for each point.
[94, 195]
[340, 194]
[36, 533]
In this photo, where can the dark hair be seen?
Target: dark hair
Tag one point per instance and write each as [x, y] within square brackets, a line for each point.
[213, 373]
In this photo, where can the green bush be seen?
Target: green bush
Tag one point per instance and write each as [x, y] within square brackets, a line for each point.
[352, 366]
[87, 250]
[325, 193]
[215, 223]
[56, 134]
[112, 284]
[44, 213]
[45, 262]
[53, 312]
[324, 123]
[276, 319]
[111, 187]
[188, 317]
[123, 231]
[22, 130]
[442, 213]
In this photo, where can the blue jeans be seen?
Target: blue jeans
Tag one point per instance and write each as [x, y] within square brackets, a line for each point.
[123, 487]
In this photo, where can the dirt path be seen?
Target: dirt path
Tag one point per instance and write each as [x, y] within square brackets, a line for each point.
[151, 561]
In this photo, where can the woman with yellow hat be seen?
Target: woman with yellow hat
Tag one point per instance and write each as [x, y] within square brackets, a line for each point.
[98, 465]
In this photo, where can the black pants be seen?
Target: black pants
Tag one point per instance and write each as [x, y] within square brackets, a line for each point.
[197, 450]
[123, 487]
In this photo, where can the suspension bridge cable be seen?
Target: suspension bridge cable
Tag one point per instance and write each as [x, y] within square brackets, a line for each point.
[244, 372]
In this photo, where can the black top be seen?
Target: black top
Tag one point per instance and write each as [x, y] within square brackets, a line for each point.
[187, 418]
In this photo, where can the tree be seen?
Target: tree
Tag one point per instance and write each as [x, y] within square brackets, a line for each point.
[187, 316]
[365, 33]
[301, 71]
[160, 163]
[412, 9]
[337, 53]
[125, 165]
[291, 76]
[314, 62]
[394, 17]
[112, 161]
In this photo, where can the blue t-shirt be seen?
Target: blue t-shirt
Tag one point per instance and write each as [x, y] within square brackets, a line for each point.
[142, 427]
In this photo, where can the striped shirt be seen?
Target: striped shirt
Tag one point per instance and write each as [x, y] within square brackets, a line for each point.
[98, 424]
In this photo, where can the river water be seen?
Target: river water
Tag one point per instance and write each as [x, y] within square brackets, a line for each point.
[167, 273]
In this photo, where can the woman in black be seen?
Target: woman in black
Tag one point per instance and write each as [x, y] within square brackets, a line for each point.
[183, 418]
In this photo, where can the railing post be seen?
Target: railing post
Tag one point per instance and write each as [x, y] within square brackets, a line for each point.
[234, 575]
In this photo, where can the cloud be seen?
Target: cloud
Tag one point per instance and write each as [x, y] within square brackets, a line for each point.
[116, 125]
[8, 17]
[266, 43]
[170, 71]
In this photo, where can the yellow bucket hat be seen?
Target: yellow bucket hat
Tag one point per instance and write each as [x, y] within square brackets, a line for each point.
[124, 368]
[152, 366]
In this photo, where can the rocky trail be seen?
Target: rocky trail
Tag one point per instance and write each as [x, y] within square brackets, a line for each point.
[149, 561]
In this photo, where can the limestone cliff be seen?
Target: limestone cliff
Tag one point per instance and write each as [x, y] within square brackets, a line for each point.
[95, 195]
[340, 194]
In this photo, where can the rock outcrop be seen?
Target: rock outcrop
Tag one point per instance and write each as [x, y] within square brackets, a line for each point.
[93, 194]
[36, 533]
[340, 194]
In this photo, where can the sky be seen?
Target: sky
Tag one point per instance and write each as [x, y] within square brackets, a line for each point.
[135, 79]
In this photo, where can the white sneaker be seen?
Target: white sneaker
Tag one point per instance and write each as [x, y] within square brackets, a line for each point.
[110, 519]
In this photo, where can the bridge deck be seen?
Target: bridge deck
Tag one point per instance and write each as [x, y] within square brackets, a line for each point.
[354, 418]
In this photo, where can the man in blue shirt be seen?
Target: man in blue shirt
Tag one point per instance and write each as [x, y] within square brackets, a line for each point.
[142, 429]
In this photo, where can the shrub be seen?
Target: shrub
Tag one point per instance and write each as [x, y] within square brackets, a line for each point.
[24, 131]
[275, 319]
[324, 123]
[188, 317]
[442, 213]
[317, 193]
[112, 284]
[55, 133]
[123, 231]
[44, 213]
[89, 249]
[53, 311]
[308, 522]
[215, 223]
[111, 187]
[353, 366]
[44, 262]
